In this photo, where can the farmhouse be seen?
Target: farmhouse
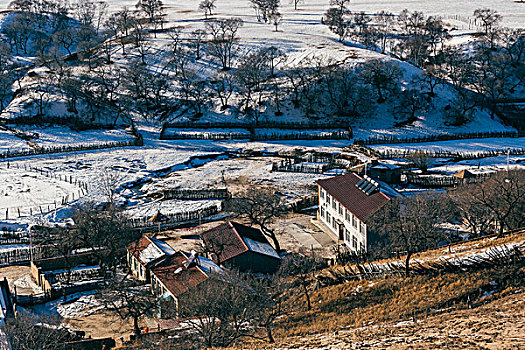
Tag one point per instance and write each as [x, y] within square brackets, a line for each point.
[346, 203]
[181, 272]
[385, 172]
[144, 253]
[242, 247]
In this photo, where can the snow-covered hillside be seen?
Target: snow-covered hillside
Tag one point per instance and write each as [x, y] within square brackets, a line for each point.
[301, 35]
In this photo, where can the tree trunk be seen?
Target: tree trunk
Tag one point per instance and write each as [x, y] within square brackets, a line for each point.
[136, 328]
[269, 334]
[308, 303]
[407, 264]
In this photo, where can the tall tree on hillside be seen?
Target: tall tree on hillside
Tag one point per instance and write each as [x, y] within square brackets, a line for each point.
[222, 85]
[410, 225]
[504, 196]
[383, 76]
[261, 206]
[336, 18]
[154, 12]
[223, 42]
[85, 11]
[207, 6]
[263, 8]
[296, 3]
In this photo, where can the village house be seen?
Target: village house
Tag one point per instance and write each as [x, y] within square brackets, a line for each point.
[145, 253]
[181, 272]
[346, 203]
[238, 246]
[386, 172]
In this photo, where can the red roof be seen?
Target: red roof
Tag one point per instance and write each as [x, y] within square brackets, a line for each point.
[226, 240]
[178, 283]
[343, 188]
[138, 246]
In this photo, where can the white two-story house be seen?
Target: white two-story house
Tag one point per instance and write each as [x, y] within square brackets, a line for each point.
[346, 203]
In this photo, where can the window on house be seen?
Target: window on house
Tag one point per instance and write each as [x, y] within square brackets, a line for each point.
[347, 215]
[362, 227]
[328, 217]
[328, 198]
[354, 221]
[334, 204]
[322, 212]
[321, 191]
[354, 242]
[340, 209]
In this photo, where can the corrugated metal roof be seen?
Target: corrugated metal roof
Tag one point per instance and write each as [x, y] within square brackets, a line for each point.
[177, 278]
[343, 188]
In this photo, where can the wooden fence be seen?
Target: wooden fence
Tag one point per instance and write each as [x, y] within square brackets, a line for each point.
[405, 153]
[17, 212]
[214, 193]
[443, 180]
[313, 168]
[259, 125]
[70, 148]
[331, 135]
[381, 140]
[176, 218]
[23, 255]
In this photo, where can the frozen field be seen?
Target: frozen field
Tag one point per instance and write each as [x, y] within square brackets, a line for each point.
[23, 189]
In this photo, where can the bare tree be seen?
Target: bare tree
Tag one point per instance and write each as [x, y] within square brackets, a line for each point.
[224, 39]
[296, 3]
[477, 216]
[65, 38]
[384, 29]
[410, 225]
[222, 85]
[207, 6]
[230, 306]
[410, 103]
[252, 74]
[85, 11]
[106, 233]
[28, 332]
[154, 12]
[261, 206]
[263, 8]
[504, 196]
[336, 18]
[383, 76]
[197, 38]
[420, 159]
[128, 299]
